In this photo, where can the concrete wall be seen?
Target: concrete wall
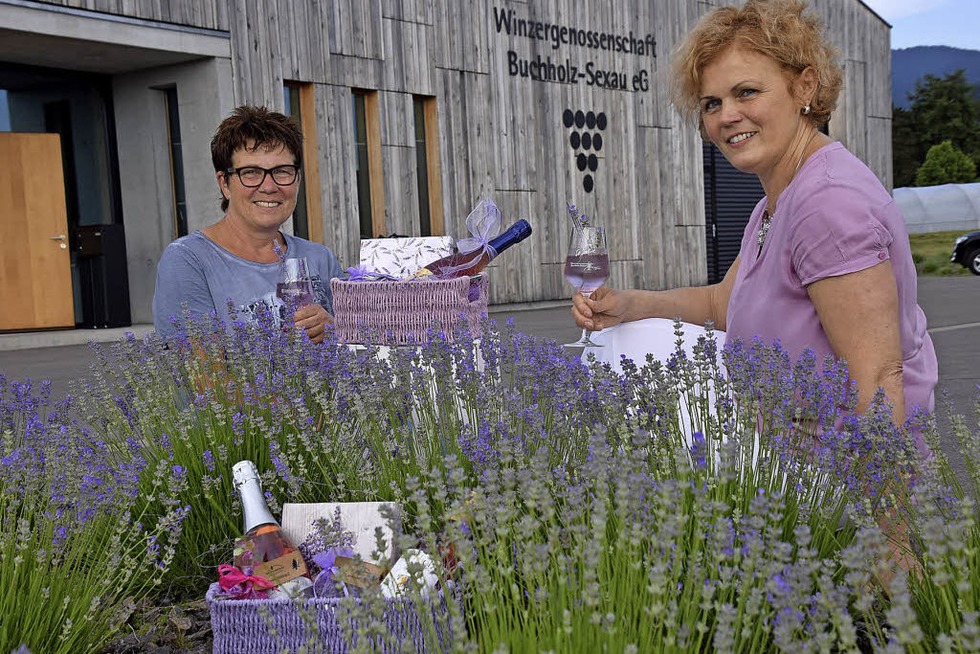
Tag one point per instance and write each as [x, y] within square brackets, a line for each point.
[204, 97]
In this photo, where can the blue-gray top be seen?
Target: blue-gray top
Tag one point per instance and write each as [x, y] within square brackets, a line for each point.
[196, 271]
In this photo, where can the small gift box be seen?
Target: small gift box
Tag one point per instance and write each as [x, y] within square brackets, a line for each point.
[403, 257]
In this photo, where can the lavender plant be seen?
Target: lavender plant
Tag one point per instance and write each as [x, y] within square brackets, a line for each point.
[945, 597]
[757, 533]
[681, 505]
[327, 422]
[78, 548]
[207, 399]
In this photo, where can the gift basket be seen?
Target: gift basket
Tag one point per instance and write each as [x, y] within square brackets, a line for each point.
[330, 591]
[270, 626]
[401, 291]
[402, 312]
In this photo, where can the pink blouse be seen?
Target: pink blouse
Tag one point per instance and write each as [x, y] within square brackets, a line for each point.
[834, 218]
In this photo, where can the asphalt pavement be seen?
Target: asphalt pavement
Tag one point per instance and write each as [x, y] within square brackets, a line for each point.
[951, 305]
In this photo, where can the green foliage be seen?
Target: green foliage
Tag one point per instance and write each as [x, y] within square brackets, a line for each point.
[946, 165]
[674, 506]
[942, 109]
[79, 547]
[931, 252]
[320, 422]
[905, 148]
[946, 109]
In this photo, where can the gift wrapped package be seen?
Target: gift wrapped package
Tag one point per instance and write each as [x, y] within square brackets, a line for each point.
[404, 312]
[402, 257]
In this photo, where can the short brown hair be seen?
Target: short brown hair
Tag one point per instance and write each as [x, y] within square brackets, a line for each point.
[783, 30]
[251, 127]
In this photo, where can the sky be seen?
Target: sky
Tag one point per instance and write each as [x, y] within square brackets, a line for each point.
[931, 22]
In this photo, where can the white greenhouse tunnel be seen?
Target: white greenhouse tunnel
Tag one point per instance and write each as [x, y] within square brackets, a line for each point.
[944, 208]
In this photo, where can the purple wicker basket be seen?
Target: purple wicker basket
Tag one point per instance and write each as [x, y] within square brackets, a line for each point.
[278, 625]
[399, 313]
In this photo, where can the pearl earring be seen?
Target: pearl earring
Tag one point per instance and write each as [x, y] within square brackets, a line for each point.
[806, 109]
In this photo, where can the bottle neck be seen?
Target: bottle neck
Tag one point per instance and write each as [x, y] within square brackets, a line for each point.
[514, 234]
[255, 511]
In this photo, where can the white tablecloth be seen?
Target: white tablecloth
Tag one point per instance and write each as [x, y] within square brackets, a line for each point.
[655, 336]
[650, 336]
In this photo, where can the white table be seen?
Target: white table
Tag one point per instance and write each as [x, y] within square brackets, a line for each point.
[655, 336]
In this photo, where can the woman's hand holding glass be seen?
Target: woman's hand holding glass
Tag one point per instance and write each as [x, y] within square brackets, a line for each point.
[295, 288]
[313, 319]
[604, 308]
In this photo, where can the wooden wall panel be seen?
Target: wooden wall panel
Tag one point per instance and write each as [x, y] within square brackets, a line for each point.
[397, 119]
[356, 28]
[311, 23]
[464, 32]
[879, 67]
[852, 109]
[864, 107]
[311, 162]
[466, 162]
[412, 11]
[256, 53]
[338, 174]
[502, 136]
[879, 153]
[401, 190]
[409, 44]
[207, 14]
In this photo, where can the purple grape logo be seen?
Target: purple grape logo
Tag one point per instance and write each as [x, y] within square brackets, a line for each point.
[586, 141]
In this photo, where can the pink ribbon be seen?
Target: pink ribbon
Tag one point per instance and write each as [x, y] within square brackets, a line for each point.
[484, 224]
[238, 584]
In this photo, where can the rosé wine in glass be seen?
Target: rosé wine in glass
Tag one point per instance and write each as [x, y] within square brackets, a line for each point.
[586, 267]
[587, 272]
[294, 286]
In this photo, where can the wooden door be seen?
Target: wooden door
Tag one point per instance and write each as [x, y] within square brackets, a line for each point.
[35, 262]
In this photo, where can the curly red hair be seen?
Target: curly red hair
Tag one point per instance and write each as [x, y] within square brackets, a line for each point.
[784, 30]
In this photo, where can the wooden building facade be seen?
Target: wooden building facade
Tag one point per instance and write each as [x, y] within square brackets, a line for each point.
[414, 110]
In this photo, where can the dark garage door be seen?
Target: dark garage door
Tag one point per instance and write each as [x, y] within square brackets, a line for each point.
[729, 197]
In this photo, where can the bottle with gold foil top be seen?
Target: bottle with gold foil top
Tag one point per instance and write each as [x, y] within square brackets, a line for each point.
[460, 264]
[264, 547]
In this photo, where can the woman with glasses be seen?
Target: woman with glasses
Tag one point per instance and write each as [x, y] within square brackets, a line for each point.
[231, 267]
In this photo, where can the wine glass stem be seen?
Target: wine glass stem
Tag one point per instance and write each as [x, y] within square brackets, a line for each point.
[586, 333]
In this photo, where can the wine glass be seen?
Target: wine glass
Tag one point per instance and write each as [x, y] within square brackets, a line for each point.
[586, 267]
[294, 286]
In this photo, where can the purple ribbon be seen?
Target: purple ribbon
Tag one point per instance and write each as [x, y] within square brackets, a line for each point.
[483, 223]
[364, 274]
[323, 584]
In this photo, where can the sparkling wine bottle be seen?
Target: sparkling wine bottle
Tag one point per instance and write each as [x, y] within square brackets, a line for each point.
[458, 265]
[265, 547]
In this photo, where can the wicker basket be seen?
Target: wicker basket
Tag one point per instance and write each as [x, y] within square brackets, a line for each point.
[277, 625]
[400, 313]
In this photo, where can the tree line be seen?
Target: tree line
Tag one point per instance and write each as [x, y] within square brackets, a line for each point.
[937, 139]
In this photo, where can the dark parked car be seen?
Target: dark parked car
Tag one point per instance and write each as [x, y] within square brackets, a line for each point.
[966, 251]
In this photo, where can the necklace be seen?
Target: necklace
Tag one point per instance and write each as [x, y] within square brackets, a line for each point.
[766, 215]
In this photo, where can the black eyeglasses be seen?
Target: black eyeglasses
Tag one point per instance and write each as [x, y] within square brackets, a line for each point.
[252, 176]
